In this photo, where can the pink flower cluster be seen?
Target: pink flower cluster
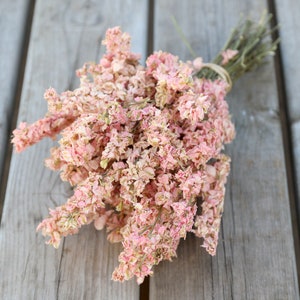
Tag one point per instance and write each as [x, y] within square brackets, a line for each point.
[142, 148]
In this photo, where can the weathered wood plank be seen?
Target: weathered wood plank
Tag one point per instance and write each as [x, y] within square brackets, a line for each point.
[13, 17]
[289, 19]
[64, 35]
[255, 258]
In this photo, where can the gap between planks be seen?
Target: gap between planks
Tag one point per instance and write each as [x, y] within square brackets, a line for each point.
[13, 113]
[144, 287]
[285, 121]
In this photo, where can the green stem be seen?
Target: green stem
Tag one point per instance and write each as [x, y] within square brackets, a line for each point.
[254, 44]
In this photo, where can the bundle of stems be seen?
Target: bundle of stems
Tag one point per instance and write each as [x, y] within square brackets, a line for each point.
[252, 41]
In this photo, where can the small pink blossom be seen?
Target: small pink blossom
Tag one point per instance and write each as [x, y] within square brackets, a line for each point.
[100, 222]
[198, 63]
[227, 55]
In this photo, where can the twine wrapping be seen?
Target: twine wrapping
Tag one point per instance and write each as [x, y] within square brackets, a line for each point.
[221, 72]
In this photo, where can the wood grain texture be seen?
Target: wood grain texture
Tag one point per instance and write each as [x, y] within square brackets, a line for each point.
[288, 17]
[255, 257]
[13, 17]
[64, 35]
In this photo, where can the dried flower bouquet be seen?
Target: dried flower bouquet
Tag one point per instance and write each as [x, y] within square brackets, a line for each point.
[142, 146]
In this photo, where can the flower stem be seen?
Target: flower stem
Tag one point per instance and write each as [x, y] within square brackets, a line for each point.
[253, 43]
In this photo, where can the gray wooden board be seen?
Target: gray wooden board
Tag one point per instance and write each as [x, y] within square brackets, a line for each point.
[255, 257]
[289, 19]
[12, 23]
[64, 35]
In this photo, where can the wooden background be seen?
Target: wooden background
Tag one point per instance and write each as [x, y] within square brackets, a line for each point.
[42, 44]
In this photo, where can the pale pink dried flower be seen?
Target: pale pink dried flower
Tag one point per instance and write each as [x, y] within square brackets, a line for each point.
[140, 145]
[227, 55]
